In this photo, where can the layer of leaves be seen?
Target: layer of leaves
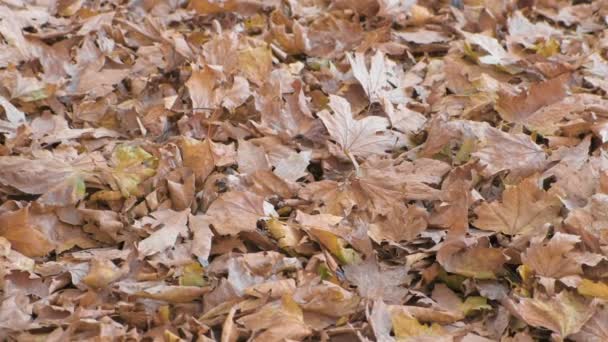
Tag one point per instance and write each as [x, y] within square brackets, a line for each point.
[303, 170]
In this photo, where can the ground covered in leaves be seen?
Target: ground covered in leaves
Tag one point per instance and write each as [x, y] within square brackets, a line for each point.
[333, 170]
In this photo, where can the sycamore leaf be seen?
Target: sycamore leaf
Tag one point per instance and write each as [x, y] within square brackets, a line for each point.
[595, 330]
[133, 165]
[337, 246]
[564, 314]
[173, 225]
[236, 212]
[497, 55]
[101, 274]
[13, 115]
[286, 235]
[514, 152]
[278, 321]
[525, 209]
[59, 181]
[360, 138]
[477, 261]
[374, 281]
[408, 328]
[552, 259]
[449, 301]
[374, 80]
[541, 105]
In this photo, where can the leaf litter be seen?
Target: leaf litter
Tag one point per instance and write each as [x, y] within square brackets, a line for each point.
[314, 170]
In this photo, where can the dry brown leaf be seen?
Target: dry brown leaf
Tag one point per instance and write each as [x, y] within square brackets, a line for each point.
[357, 138]
[236, 212]
[172, 225]
[471, 259]
[525, 209]
[514, 152]
[564, 314]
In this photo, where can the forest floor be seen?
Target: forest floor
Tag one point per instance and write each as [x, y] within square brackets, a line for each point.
[317, 170]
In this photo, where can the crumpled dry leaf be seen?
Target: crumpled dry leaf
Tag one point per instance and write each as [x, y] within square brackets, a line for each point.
[173, 225]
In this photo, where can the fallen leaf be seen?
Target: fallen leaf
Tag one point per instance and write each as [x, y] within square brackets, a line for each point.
[514, 152]
[356, 137]
[173, 225]
[235, 212]
[564, 314]
[525, 209]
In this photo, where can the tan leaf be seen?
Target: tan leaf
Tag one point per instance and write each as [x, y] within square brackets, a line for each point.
[235, 212]
[23, 235]
[403, 223]
[200, 86]
[374, 281]
[173, 225]
[595, 330]
[251, 158]
[357, 137]
[372, 81]
[102, 273]
[471, 259]
[514, 152]
[564, 314]
[551, 258]
[525, 209]
[529, 107]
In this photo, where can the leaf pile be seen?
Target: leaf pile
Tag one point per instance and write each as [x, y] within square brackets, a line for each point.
[273, 170]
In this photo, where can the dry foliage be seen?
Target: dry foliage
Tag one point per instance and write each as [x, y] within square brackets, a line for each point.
[318, 170]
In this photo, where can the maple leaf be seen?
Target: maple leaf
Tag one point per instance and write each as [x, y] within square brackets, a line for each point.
[60, 181]
[514, 152]
[376, 282]
[471, 259]
[553, 258]
[235, 212]
[534, 106]
[525, 209]
[595, 329]
[173, 225]
[360, 138]
[374, 80]
[497, 55]
[564, 314]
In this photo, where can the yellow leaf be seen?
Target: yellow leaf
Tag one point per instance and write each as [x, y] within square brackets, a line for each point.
[336, 246]
[133, 166]
[102, 273]
[407, 327]
[548, 48]
[255, 63]
[287, 236]
[193, 275]
[593, 289]
[474, 303]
